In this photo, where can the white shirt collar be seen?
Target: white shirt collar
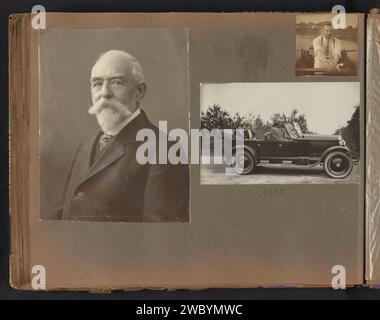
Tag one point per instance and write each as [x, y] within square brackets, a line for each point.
[325, 40]
[115, 131]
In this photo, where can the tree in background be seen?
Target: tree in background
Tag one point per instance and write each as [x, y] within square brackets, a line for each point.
[217, 118]
[351, 132]
[294, 116]
[250, 121]
[300, 119]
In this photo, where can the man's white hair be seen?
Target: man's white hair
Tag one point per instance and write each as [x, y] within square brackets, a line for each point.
[136, 69]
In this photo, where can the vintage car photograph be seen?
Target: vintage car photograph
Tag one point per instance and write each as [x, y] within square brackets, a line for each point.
[299, 132]
[326, 45]
[287, 144]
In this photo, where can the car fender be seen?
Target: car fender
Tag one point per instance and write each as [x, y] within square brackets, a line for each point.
[335, 148]
[251, 150]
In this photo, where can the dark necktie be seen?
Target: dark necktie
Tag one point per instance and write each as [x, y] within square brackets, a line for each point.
[104, 140]
[328, 48]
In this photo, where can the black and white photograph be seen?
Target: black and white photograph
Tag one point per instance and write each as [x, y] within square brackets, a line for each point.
[294, 133]
[326, 45]
[98, 89]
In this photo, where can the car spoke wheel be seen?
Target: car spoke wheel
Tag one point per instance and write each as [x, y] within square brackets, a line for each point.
[338, 164]
[244, 160]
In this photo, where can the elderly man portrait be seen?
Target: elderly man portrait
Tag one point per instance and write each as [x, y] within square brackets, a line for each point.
[105, 181]
[327, 49]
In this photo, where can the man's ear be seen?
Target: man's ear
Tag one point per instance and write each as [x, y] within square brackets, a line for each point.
[141, 90]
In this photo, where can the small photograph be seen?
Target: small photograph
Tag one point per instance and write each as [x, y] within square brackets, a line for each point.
[293, 133]
[326, 46]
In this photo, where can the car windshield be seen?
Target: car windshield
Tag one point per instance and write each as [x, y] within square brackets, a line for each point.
[291, 131]
[298, 129]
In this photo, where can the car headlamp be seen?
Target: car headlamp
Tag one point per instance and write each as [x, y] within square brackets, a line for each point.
[342, 142]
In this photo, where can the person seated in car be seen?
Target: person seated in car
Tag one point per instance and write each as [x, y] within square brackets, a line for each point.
[276, 133]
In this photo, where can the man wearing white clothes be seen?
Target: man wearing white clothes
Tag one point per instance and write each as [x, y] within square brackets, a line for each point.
[327, 49]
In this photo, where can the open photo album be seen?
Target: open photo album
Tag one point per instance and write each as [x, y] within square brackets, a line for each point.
[194, 150]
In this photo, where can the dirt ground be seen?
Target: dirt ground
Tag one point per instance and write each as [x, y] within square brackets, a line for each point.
[275, 174]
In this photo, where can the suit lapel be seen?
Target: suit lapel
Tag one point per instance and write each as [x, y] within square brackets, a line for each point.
[111, 153]
[115, 150]
[83, 162]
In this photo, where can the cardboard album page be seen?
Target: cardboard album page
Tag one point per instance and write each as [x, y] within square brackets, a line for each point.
[126, 166]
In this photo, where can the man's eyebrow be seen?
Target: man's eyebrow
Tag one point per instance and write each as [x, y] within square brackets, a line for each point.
[114, 76]
[96, 78]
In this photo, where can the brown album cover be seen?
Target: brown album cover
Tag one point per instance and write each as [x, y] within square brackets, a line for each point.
[125, 166]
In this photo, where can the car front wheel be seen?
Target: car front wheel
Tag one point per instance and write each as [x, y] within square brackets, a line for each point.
[244, 163]
[338, 164]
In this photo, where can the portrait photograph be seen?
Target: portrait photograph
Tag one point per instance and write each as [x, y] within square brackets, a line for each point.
[294, 133]
[99, 90]
[326, 45]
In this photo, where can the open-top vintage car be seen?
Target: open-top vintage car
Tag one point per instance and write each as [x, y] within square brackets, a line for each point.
[297, 148]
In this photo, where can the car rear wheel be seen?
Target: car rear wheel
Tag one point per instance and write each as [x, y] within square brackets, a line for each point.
[245, 161]
[338, 164]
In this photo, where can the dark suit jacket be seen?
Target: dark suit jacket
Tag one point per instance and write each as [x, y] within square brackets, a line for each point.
[115, 187]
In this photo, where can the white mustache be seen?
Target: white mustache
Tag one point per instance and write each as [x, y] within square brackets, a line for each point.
[103, 103]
